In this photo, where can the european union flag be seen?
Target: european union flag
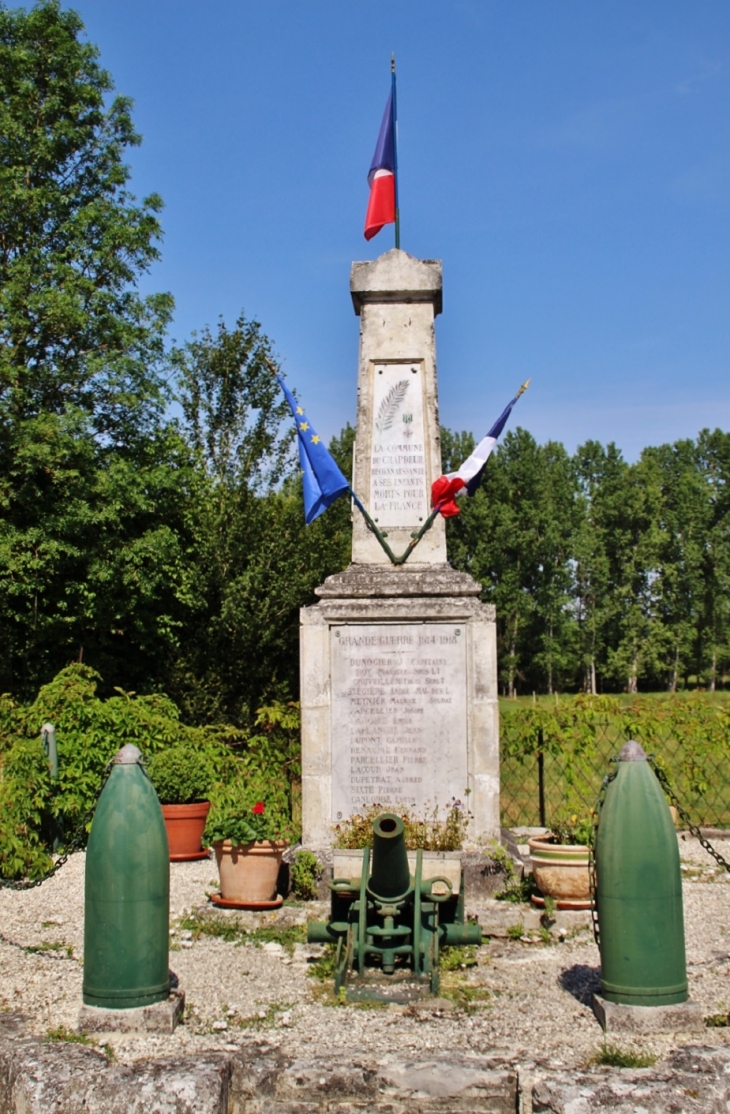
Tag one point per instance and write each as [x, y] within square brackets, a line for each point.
[322, 480]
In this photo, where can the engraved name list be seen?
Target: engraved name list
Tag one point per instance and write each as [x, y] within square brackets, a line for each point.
[398, 716]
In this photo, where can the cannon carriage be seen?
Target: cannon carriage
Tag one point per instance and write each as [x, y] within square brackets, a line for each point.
[388, 920]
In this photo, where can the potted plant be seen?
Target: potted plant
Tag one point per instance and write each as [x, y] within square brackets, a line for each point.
[182, 777]
[560, 861]
[250, 826]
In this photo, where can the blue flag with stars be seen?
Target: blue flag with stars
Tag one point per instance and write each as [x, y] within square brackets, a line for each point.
[322, 480]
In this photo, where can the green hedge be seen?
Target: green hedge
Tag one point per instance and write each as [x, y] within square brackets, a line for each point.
[688, 734]
[89, 732]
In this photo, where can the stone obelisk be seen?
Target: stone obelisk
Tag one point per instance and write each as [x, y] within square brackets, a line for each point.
[398, 662]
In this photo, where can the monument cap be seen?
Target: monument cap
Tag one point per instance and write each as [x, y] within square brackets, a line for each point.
[397, 276]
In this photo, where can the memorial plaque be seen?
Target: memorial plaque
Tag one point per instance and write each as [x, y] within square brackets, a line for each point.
[398, 476]
[399, 723]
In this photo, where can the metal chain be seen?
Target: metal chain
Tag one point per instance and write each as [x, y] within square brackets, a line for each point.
[74, 843]
[608, 778]
[692, 828]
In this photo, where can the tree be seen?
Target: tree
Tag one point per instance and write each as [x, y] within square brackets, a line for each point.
[75, 336]
[253, 563]
[601, 478]
[684, 515]
[713, 455]
[90, 539]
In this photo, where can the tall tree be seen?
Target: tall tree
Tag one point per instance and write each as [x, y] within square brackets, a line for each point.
[89, 539]
[684, 513]
[601, 477]
[713, 459]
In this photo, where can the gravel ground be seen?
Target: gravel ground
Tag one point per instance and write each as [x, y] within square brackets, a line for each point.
[527, 1002]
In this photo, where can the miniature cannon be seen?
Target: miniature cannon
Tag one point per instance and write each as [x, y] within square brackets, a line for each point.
[390, 919]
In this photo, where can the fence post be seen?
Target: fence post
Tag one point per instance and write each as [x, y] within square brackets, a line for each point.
[541, 777]
[48, 739]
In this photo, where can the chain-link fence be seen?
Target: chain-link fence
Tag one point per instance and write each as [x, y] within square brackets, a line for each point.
[556, 774]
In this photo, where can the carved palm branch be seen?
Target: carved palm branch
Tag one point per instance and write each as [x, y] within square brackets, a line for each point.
[390, 405]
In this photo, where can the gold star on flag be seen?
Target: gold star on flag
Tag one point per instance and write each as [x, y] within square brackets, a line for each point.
[299, 410]
[316, 439]
[304, 425]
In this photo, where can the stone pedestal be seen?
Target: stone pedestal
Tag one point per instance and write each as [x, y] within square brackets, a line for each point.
[398, 663]
[614, 1017]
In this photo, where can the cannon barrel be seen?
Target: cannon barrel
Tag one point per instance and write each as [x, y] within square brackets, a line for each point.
[390, 877]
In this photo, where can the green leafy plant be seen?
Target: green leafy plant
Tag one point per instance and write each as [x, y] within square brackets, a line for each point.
[516, 931]
[180, 775]
[428, 832]
[574, 828]
[89, 731]
[517, 888]
[304, 873]
[253, 807]
[549, 905]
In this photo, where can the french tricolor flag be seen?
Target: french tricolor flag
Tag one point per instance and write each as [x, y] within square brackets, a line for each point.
[447, 489]
[381, 178]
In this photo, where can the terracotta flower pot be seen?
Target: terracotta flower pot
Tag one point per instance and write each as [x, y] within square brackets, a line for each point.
[248, 873]
[561, 872]
[185, 824]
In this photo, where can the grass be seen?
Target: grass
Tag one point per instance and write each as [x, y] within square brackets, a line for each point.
[233, 933]
[717, 1021]
[264, 1019]
[457, 959]
[456, 987]
[71, 1036]
[516, 931]
[613, 1056]
[47, 946]
[324, 968]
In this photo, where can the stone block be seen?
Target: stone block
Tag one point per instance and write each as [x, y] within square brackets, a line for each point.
[615, 1017]
[37, 1077]
[693, 1079]
[397, 1085]
[162, 1017]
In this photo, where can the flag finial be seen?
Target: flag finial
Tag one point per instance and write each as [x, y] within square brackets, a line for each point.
[523, 388]
[392, 63]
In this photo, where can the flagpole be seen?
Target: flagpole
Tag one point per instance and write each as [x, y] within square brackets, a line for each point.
[394, 111]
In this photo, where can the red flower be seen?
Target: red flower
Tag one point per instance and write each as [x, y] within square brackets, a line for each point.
[258, 808]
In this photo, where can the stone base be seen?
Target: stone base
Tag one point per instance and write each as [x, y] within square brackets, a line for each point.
[162, 1017]
[614, 1017]
[458, 732]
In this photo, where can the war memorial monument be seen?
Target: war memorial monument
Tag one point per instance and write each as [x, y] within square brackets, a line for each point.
[398, 661]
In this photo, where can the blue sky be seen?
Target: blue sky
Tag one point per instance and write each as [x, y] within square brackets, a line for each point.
[568, 161]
